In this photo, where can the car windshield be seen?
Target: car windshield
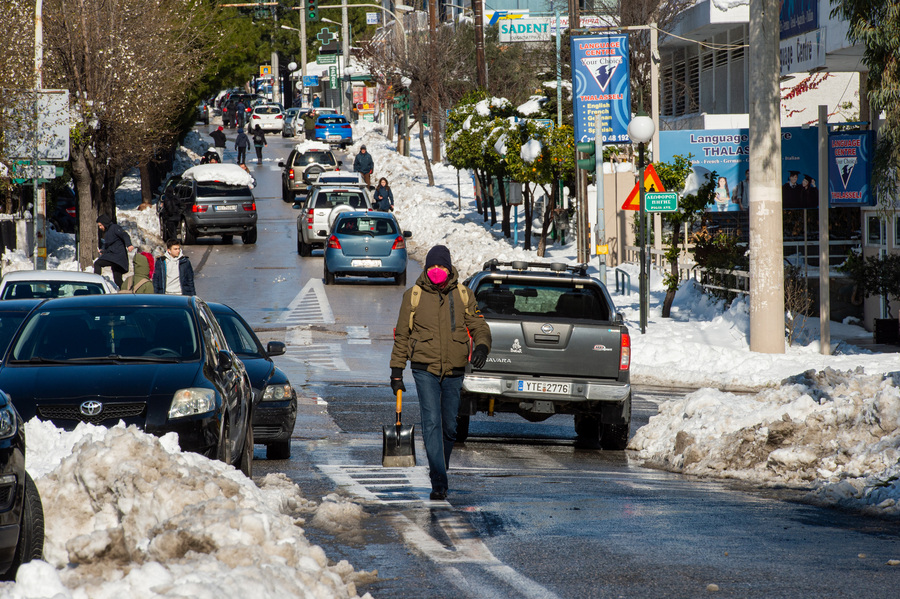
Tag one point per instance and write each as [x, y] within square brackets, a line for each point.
[364, 225]
[317, 158]
[84, 333]
[332, 120]
[496, 297]
[9, 324]
[240, 338]
[330, 199]
[216, 189]
[49, 289]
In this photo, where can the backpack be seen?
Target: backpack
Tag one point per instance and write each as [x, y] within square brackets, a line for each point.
[417, 295]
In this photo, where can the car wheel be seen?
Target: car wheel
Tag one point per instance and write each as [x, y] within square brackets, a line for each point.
[278, 451]
[329, 277]
[187, 237]
[227, 239]
[587, 431]
[246, 461]
[249, 237]
[287, 195]
[462, 428]
[30, 545]
[400, 278]
[615, 436]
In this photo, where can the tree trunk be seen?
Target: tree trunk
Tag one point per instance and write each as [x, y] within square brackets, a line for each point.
[528, 201]
[504, 204]
[146, 183]
[670, 293]
[545, 225]
[87, 214]
[425, 153]
[436, 135]
[486, 197]
[493, 203]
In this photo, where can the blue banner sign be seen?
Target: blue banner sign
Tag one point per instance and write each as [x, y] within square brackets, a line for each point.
[850, 169]
[798, 16]
[311, 81]
[727, 153]
[601, 87]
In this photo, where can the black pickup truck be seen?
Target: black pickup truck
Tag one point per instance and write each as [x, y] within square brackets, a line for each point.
[558, 347]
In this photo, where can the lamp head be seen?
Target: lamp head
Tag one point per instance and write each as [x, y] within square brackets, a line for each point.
[292, 66]
[641, 128]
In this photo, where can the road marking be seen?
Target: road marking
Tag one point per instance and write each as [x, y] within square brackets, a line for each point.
[392, 486]
[358, 335]
[310, 306]
[318, 356]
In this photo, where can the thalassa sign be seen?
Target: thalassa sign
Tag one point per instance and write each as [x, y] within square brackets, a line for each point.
[53, 124]
[524, 30]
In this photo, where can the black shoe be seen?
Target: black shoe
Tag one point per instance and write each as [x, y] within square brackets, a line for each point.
[438, 495]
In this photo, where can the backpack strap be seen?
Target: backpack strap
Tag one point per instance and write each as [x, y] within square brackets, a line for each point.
[417, 295]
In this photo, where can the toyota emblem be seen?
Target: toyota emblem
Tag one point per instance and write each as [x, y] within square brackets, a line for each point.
[546, 329]
[91, 408]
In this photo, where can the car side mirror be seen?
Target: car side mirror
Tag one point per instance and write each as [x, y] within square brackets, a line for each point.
[281, 163]
[225, 361]
[275, 348]
[407, 234]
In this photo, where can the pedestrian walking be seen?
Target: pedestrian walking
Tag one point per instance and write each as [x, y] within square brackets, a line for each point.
[364, 165]
[259, 140]
[219, 141]
[241, 143]
[114, 248]
[384, 197]
[173, 273]
[309, 124]
[437, 315]
[240, 111]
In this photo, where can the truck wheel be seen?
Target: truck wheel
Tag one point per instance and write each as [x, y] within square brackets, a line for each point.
[304, 249]
[278, 451]
[587, 432]
[615, 436]
[462, 428]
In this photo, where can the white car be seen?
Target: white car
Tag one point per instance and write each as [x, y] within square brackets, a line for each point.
[269, 117]
[47, 284]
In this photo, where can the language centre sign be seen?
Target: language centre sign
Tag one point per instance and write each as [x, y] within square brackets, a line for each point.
[601, 87]
[850, 169]
[726, 152]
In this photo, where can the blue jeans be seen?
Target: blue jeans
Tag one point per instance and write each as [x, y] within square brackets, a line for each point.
[439, 404]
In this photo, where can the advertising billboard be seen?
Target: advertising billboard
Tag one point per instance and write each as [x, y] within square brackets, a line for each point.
[850, 169]
[601, 87]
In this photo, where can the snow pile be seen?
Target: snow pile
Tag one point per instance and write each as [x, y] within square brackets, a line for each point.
[532, 106]
[837, 433]
[531, 150]
[229, 174]
[309, 146]
[127, 512]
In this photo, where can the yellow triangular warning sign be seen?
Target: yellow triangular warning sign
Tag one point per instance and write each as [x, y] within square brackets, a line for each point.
[651, 183]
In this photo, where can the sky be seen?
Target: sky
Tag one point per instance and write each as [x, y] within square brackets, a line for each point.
[134, 516]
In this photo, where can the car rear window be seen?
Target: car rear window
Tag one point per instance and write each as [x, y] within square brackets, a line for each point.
[49, 289]
[317, 158]
[330, 199]
[332, 120]
[364, 225]
[267, 110]
[222, 190]
[76, 334]
[496, 297]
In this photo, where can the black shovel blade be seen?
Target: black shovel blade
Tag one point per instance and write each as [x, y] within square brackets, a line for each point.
[398, 446]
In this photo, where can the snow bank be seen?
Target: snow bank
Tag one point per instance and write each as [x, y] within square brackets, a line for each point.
[229, 174]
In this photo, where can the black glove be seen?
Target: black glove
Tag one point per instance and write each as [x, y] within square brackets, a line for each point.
[397, 385]
[479, 356]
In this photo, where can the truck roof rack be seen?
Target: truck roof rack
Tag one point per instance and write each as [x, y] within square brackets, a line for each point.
[560, 267]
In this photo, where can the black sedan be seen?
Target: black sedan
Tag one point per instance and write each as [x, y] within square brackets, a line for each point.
[158, 362]
[21, 513]
[275, 408]
[12, 313]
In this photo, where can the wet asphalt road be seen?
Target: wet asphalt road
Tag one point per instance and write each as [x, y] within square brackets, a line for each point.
[528, 515]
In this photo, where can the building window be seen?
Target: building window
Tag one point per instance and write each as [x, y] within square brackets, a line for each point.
[874, 231]
[897, 230]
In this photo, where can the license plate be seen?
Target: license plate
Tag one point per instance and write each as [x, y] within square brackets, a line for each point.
[226, 208]
[366, 263]
[334, 137]
[541, 387]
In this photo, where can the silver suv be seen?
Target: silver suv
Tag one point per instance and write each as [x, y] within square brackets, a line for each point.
[324, 204]
[216, 200]
[301, 165]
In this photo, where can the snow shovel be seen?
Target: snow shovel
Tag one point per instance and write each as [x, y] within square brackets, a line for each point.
[398, 448]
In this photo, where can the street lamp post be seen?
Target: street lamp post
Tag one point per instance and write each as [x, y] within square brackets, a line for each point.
[641, 130]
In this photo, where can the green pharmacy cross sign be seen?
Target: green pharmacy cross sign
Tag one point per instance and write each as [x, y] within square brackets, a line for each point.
[661, 202]
[325, 36]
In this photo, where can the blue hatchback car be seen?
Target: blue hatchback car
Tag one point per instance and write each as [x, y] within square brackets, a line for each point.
[333, 129]
[366, 244]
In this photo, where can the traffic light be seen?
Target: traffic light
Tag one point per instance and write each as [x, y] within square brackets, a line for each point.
[590, 148]
[312, 10]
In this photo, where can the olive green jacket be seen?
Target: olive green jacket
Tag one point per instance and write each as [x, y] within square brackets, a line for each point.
[140, 281]
[439, 339]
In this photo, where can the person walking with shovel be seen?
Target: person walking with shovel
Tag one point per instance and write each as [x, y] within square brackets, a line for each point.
[437, 316]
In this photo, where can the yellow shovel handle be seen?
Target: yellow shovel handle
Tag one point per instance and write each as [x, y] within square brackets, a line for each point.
[399, 404]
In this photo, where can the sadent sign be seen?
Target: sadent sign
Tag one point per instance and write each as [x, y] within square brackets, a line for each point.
[525, 30]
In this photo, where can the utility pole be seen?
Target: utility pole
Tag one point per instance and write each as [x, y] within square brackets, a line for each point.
[766, 234]
[345, 53]
[824, 238]
[582, 230]
[481, 65]
[303, 48]
[39, 210]
[436, 107]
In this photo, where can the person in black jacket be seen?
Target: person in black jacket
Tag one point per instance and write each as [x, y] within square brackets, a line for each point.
[259, 140]
[173, 273]
[114, 248]
[241, 143]
[384, 197]
[364, 165]
[219, 140]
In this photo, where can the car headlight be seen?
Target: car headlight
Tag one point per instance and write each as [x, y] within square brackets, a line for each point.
[7, 422]
[188, 402]
[277, 392]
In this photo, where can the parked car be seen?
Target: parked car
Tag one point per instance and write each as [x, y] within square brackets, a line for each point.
[342, 178]
[47, 284]
[305, 157]
[203, 113]
[367, 244]
[269, 117]
[287, 129]
[159, 362]
[12, 313]
[217, 200]
[275, 404]
[64, 214]
[333, 129]
[317, 215]
[21, 512]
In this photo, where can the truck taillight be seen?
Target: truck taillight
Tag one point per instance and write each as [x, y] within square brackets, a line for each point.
[399, 243]
[333, 243]
[625, 352]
